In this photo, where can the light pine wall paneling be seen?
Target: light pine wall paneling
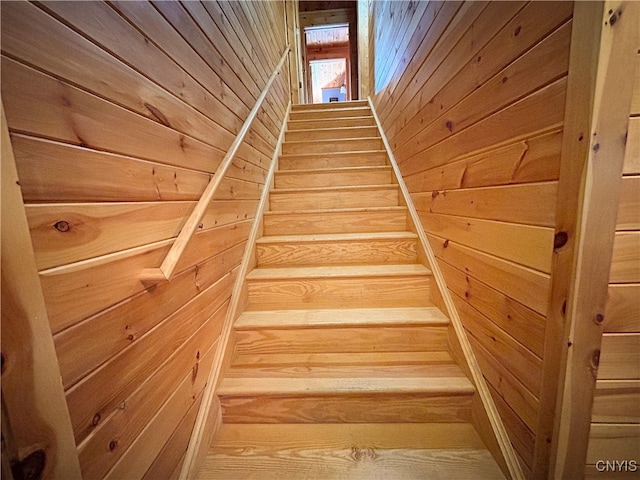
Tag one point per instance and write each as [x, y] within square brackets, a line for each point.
[105, 281]
[525, 285]
[100, 392]
[543, 110]
[502, 203]
[100, 72]
[88, 344]
[69, 233]
[497, 72]
[171, 456]
[450, 24]
[418, 36]
[472, 113]
[139, 407]
[534, 159]
[520, 322]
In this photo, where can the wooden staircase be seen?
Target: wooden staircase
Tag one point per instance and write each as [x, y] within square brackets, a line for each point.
[341, 365]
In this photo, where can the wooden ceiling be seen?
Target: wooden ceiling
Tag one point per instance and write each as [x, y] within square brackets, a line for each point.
[327, 37]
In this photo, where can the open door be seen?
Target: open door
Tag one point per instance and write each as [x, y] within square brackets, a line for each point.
[329, 39]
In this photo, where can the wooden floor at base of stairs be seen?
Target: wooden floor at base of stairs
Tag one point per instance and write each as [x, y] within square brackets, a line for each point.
[349, 451]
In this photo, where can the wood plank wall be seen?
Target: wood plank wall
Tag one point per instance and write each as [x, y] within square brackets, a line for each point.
[119, 114]
[471, 96]
[615, 421]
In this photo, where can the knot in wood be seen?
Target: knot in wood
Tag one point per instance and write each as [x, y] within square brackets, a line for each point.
[96, 419]
[62, 226]
[560, 240]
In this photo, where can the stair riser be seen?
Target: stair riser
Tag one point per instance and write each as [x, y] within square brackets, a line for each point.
[377, 408]
[303, 162]
[317, 134]
[337, 253]
[332, 123]
[332, 146]
[339, 222]
[372, 292]
[305, 107]
[309, 200]
[342, 340]
[329, 113]
[333, 179]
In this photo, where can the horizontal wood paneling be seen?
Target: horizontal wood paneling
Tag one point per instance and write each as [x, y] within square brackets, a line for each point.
[474, 112]
[503, 203]
[532, 160]
[115, 140]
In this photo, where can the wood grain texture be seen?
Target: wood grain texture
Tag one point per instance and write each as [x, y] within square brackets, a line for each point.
[530, 160]
[172, 454]
[116, 141]
[512, 355]
[352, 462]
[360, 196]
[335, 160]
[524, 285]
[105, 282]
[69, 233]
[616, 401]
[342, 339]
[523, 244]
[507, 385]
[105, 388]
[338, 177]
[83, 347]
[628, 216]
[127, 421]
[475, 123]
[625, 267]
[520, 322]
[363, 220]
[504, 203]
[623, 311]
[34, 411]
[620, 356]
[373, 248]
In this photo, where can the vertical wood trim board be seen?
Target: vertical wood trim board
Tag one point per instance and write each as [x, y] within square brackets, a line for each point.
[597, 117]
[498, 430]
[33, 402]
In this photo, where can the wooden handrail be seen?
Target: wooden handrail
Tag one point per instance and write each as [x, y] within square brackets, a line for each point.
[166, 270]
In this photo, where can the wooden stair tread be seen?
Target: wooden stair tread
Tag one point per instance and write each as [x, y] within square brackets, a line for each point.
[351, 463]
[334, 154]
[341, 317]
[334, 106]
[342, 359]
[339, 170]
[338, 210]
[330, 140]
[327, 129]
[338, 271]
[335, 237]
[368, 117]
[346, 435]
[348, 385]
[448, 370]
[337, 189]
